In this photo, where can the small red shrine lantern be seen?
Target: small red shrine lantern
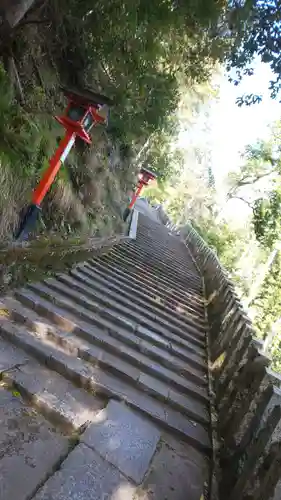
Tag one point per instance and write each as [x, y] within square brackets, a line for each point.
[85, 109]
[144, 178]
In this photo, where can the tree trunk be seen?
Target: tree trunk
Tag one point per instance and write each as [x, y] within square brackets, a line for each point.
[12, 11]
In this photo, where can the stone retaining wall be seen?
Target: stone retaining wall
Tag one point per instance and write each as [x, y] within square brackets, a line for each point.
[247, 394]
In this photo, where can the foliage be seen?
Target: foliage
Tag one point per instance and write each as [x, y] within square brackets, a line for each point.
[255, 30]
[267, 218]
[261, 163]
[146, 56]
[139, 58]
[258, 184]
[24, 140]
[268, 301]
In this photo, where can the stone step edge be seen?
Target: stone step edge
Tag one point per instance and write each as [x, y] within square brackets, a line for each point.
[32, 324]
[165, 292]
[117, 316]
[164, 280]
[64, 288]
[68, 306]
[81, 380]
[104, 274]
[45, 406]
[84, 353]
[125, 298]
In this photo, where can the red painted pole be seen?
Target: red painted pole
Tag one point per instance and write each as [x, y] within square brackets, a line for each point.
[135, 196]
[57, 159]
[30, 218]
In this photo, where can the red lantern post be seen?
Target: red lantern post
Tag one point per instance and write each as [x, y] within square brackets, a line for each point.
[84, 110]
[144, 178]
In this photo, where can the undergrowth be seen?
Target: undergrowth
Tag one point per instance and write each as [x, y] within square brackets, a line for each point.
[87, 197]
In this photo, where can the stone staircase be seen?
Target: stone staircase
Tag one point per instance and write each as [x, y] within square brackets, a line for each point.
[121, 338]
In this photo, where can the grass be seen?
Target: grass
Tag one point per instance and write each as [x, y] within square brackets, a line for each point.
[87, 197]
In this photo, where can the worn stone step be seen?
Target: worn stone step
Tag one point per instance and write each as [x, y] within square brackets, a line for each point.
[126, 288]
[30, 448]
[161, 265]
[120, 295]
[53, 395]
[154, 299]
[107, 361]
[168, 294]
[85, 475]
[188, 354]
[144, 272]
[84, 275]
[41, 326]
[98, 382]
[167, 359]
[177, 253]
[168, 263]
[69, 286]
[10, 357]
[160, 261]
[72, 316]
[62, 403]
[105, 312]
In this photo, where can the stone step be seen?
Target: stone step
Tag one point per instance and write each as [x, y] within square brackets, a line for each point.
[169, 295]
[116, 318]
[141, 296]
[142, 270]
[188, 370]
[101, 358]
[98, 382]
[146, 271]
[41, 326]
[169, 260]
[120, 295]
[92, 281]
[168, 300]
[175, 254]
[53, 395]
[31, 448]
[172, 266]
[167, 268]
[68, 286]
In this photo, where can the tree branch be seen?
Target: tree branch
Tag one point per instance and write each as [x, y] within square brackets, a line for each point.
[244, 182]
[231, 197]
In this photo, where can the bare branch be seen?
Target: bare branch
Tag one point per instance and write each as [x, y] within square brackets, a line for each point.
[246, 181]
[231, 197]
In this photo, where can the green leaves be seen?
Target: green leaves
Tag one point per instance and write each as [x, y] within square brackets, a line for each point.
[267, 218]
[255, 31]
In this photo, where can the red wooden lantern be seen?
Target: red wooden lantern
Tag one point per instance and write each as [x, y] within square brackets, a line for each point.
[144, 178]
[85, 109]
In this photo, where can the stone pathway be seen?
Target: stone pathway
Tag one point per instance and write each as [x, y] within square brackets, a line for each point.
[104, 382]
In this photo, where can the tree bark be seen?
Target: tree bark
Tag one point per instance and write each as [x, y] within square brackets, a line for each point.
[12, 11]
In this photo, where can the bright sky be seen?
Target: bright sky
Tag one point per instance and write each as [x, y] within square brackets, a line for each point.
[231, 128]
